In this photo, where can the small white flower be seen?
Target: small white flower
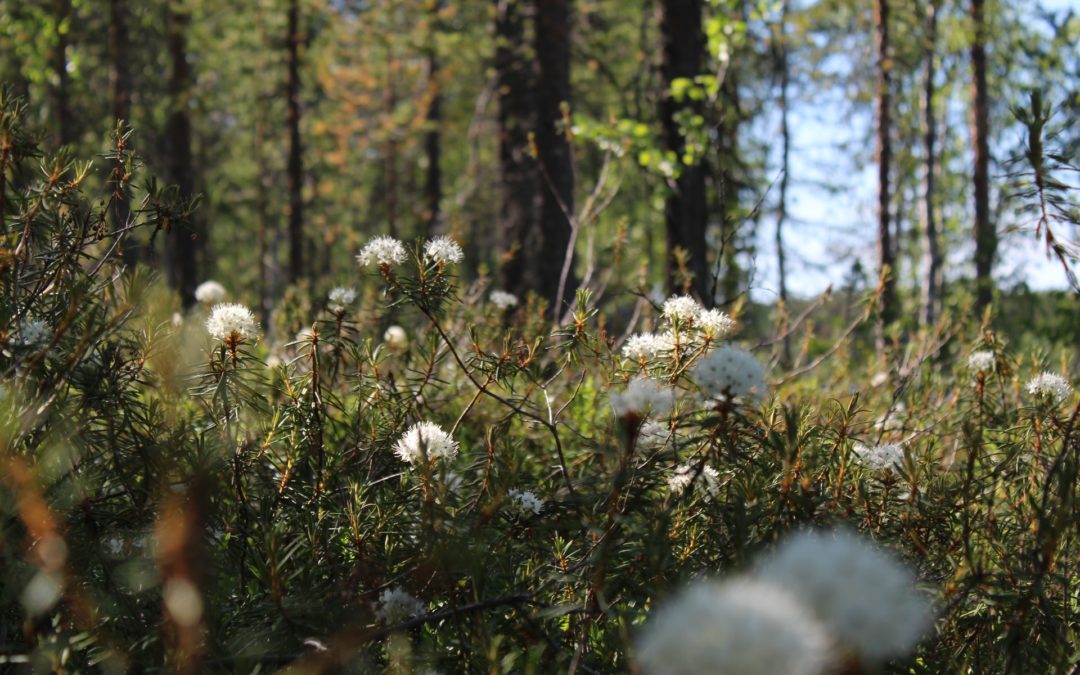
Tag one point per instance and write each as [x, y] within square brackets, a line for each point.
[340, 298]
[444, 250]
[683, 475]
[737, 627]
[981, 362]
[526, 502]
[682, 308]
[643, 396]
[32, 334]
[1050, 387]
[503, 300]
[880, 457]
[425, 439]
[210, 293]
[232, 322]
[715, 324]
[645, 346]
[382, 250]
[863, 594]
[398, 605]
[730, 373]
[396, 338]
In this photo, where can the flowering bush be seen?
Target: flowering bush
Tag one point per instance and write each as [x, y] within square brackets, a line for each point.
[430, 476]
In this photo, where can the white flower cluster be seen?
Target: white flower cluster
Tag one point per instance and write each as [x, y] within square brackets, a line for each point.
[715, 324]
[443, 250]
[503, 300]
[681, 308]
[880, 457]
[642, 397]
[396, 338]
[645, 346]
[1050, 387]
[729, 374]
[865, 597]
[692, 321]
[382, 250]
[425, 439]
[210, 292]
[737, 627]
[340, 298]
[32, 334]
[981, 362]
[232, 322]
[526, 502]
[680, 479]
[397, 605]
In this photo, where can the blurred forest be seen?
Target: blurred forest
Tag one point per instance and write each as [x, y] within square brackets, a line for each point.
[651, 139]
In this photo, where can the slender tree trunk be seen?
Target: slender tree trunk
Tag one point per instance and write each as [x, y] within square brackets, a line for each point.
[985, 235]
[785, 154]
[295, 167]
[932, 277]
[886, 253]
[518, 198]
[685, 210]
[391, 185]
[556, 161]
[65, 131]
[433, 136]
[180, 256]
[120, 85]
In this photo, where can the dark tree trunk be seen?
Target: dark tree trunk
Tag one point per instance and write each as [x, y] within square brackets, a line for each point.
[886, 254]
[433, 136]
[518, 199]
[785, 154]
[295, 166]
[65, 131]
[120, 85]
[985, 235]
[932, 276]
[556, 162]
[685, 210]
[181, 244]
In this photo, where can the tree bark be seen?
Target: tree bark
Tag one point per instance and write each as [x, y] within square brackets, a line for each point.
[433, 135]
[785, 155]
[685, 209]
[556, 162]
[886, 253]
[120, 86]
[65, 131]
[932, 275]
[985, 235]
[295, 165]
[180, 257]
[517, 227]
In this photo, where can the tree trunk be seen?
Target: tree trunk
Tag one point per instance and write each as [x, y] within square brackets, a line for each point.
[985, 235]
[433, 136]
[120, 86]
[390, 188]
[518, 199]
[886, 253]
[180, 257]
[685, 210]
[295, 167]
[785, 154]
[65, 131]
[556, 163]
[932, 276]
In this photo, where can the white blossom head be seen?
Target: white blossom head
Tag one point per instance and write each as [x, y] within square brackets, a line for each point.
[1049, 387]
[425, 440]
[32, 334]
[683, 477]
[503, 300]
[526, 502]
[737, 627]
[715, 324]
[396, 338]
[682, 308]
[382, 250]
[210, 293]
[864, 595]
[443, 250]
[730, 373]
[340, 298]
[397, 605]
[231, 322]
[981, 362]
[642, 397]
[880, 457]
[646, 346]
